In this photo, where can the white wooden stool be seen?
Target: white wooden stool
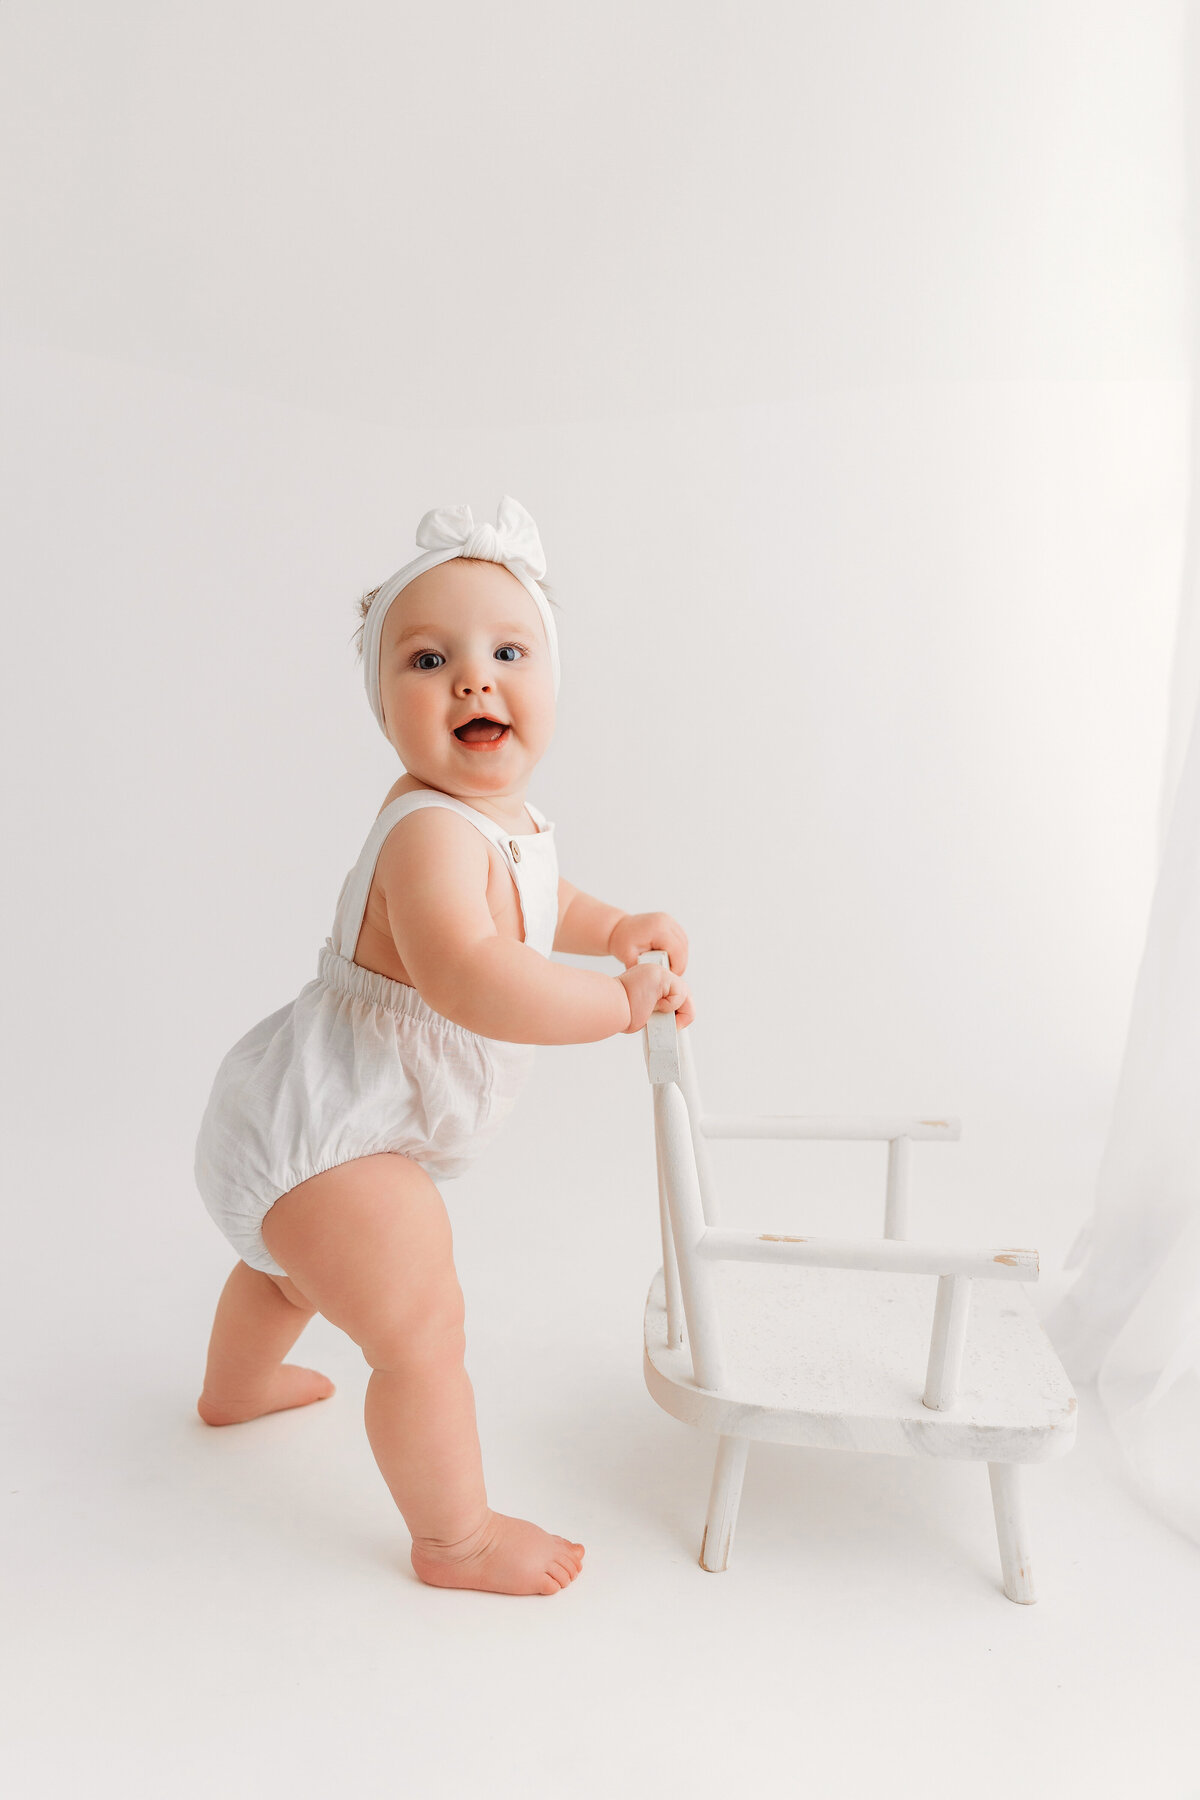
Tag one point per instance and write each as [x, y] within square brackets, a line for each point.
[870, 1344]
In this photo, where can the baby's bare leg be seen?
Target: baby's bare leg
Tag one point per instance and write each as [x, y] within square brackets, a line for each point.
[369, 1244]
[256, 1325]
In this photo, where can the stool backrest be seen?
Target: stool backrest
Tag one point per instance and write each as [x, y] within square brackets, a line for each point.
[693, 1240]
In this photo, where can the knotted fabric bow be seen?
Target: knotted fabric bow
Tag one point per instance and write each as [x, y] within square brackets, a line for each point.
[513, 538]
[450, 531]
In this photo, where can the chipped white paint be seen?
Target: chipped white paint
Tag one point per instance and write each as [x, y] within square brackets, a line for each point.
[1008, 1501]
[723, 1502]
[837, 1343]
[718, 1245]
[660, 1038]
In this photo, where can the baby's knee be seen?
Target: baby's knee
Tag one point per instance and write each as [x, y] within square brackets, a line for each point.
[425, 1337]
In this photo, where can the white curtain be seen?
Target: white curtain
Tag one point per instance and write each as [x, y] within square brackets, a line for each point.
[1131, 1322]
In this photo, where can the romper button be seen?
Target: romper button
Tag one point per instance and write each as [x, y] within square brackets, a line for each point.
[515, 848]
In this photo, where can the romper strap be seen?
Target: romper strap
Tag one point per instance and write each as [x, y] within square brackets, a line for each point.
[352, 901]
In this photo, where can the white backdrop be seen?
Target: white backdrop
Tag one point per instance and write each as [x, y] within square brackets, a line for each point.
[841, 354]
[867, 691]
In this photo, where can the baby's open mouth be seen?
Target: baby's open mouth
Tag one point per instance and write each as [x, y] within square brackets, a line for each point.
[481, 731]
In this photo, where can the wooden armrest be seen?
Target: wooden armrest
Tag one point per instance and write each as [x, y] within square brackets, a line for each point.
[875, 1127]
[884, 1254]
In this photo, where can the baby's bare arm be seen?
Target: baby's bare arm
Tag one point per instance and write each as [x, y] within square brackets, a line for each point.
[591, 927]
[434, 869]
[585, 924]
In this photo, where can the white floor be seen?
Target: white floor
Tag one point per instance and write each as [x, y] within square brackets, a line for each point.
[201, 1613]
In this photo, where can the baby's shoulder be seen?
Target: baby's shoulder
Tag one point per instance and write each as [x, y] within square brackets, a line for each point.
[433, 839]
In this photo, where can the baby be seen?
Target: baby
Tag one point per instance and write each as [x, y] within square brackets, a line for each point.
[329, 1122]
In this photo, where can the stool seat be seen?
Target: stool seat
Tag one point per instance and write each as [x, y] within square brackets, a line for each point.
[836, 1359]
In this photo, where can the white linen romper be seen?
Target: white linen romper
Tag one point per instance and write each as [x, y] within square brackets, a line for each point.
[358, 1063]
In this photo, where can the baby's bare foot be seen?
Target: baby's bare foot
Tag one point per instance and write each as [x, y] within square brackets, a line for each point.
[505, 1556]
[288, 1385]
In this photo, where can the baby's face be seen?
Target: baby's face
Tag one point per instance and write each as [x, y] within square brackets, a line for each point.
[465, 642]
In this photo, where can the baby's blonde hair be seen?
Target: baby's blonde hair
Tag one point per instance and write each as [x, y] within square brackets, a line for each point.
[363, 606]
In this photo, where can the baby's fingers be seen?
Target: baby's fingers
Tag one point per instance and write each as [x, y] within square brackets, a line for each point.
[671, 937]
[676, 999]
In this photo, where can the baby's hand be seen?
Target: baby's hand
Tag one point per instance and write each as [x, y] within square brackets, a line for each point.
[651, 988]
[649, 931]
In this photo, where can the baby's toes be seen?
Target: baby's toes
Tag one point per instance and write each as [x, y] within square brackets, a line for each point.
[563, 1573]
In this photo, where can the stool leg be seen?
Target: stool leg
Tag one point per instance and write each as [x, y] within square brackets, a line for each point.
[723, 1502]
[1012, 1531]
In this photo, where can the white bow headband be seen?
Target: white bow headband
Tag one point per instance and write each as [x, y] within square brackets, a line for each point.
[450, 531]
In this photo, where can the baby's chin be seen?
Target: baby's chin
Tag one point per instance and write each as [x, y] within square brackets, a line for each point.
[473, 775]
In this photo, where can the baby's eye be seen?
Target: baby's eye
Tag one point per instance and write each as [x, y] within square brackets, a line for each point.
[509, 653]
[428, 659]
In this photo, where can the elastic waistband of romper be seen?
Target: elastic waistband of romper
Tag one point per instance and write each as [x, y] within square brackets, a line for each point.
[348, 977]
